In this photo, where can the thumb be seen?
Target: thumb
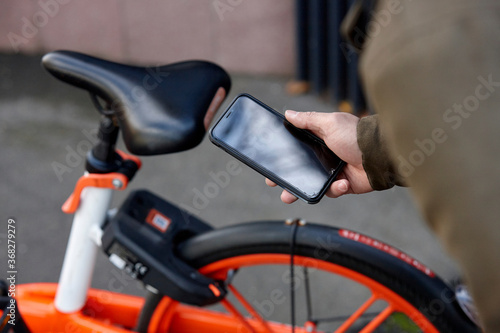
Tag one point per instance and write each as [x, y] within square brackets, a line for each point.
[312, 121]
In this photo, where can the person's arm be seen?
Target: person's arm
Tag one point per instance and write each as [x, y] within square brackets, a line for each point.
[377, 163]
[342, 133]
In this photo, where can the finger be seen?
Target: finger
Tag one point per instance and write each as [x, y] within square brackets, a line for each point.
[270, 183]
[312, 121]
[338, 188]
[287, 197]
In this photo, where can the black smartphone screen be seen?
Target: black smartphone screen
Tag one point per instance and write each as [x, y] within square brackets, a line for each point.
[263, 139]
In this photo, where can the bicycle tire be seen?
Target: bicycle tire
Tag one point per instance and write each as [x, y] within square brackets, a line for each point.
[426, 292]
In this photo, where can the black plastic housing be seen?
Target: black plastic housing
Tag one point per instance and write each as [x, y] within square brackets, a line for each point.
[141, 239]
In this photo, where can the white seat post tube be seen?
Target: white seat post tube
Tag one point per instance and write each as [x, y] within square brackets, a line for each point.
[78, 266]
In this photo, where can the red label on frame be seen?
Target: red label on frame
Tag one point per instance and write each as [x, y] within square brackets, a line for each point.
[158, 220]
[387, 249]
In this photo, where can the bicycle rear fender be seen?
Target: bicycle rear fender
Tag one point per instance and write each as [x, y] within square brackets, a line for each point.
[334, 245]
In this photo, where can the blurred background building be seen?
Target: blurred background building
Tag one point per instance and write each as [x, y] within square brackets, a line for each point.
[296, 38]
[244, 36]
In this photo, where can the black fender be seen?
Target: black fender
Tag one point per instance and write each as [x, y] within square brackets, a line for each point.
[381, 262]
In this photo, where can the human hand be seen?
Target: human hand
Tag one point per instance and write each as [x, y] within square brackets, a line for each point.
[338, 130]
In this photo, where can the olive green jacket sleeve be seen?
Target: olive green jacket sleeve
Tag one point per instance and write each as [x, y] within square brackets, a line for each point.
[376, 160]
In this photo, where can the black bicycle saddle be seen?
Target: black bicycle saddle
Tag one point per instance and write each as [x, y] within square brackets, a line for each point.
[161, 109]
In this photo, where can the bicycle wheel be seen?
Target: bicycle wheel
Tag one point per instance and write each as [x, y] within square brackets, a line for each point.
[342, 282]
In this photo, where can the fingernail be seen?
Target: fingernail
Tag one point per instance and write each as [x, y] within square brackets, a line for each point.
[343, 187]
[290, 113]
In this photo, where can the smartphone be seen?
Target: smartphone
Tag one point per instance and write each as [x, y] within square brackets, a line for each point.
[263, 139]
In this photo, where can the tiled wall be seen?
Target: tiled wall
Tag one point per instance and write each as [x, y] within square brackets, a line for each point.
[247, 36]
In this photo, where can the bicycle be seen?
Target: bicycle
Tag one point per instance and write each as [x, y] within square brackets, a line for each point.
[194, 274]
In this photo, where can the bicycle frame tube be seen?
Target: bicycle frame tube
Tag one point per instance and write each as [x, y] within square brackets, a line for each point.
[78, 266]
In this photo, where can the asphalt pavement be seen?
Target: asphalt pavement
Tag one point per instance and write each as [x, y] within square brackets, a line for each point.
[45, 124]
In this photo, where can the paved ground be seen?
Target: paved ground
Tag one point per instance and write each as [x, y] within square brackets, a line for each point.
[43, 120]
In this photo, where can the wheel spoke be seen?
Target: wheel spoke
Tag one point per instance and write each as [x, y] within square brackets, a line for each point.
[378, 320]
[229, 307]
[357, 314]
[249, 308]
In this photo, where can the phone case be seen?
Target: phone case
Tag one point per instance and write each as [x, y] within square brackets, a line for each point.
[266, 173]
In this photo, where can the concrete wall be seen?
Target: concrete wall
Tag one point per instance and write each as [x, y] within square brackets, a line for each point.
[248, 36]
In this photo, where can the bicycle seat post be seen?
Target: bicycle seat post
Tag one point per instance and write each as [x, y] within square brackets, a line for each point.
[103, 157]
[90, 215]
